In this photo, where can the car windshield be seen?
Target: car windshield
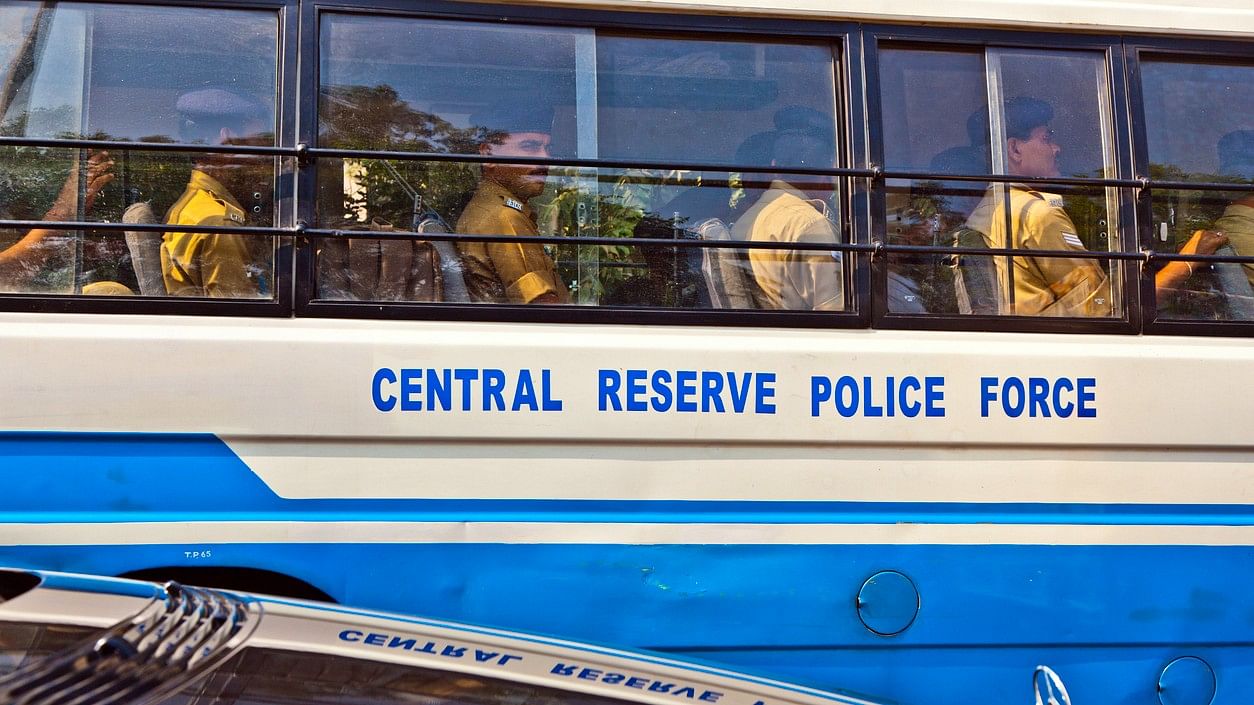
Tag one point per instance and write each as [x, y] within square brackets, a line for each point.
[22, 642]
[259, 676]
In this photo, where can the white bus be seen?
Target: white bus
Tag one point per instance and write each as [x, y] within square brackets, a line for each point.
[888, 346]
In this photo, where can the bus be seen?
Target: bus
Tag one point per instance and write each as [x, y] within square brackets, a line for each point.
[891, 347]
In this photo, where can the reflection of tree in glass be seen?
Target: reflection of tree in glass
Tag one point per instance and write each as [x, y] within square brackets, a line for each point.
[375, 118]
[1183, 213]
[928, 217]
[624, 272]
[31, 177]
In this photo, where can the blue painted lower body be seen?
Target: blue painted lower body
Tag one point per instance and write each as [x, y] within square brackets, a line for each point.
[1107, 618]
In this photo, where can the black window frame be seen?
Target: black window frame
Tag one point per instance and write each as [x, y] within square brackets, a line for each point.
[1128, 320]
[1186, 50]
[846, 90]
[280, 305]
[860, 135]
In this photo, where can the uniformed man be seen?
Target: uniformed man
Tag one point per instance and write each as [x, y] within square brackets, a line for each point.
[508, 272]
[795, 279]
[218, 266]
[23, 260]
[1043, 286]
[1236, 159]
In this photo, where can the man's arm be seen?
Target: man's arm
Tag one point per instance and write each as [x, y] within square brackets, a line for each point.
[524, 269]
[227, 268]
[821, 273]
[1080, 286]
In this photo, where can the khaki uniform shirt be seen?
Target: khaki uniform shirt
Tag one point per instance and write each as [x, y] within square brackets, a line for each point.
[1237, 223]
[787, 279]
[505, 272]
[1043, 286]
[216, 266]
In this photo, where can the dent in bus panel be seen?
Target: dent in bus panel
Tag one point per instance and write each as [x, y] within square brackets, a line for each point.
[140, 74]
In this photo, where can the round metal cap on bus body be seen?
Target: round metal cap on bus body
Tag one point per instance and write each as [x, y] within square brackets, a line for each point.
[888, 603]
[1187, 680]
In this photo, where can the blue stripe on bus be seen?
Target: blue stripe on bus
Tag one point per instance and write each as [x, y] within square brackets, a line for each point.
[759, 597]
[108, 586]
[131, 477]
[1108, 617]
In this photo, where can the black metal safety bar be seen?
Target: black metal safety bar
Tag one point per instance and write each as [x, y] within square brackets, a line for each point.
[332, 153]
[591, 240]
[110, 227]
[874, 247]
[181, 147]
[306, 154]
[1010, 178]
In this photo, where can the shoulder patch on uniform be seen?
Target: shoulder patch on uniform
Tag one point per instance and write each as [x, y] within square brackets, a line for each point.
[1072, 239]
[511, 203]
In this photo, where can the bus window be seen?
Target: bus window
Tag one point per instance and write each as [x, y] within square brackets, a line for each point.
[1199, 123]
[672, 102]
[1050, 117]
[441, 90]
[921, 135]
[149, 74]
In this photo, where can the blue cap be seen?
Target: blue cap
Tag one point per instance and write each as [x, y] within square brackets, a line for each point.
[1236, 154]
[515, 117]
[1024, 114]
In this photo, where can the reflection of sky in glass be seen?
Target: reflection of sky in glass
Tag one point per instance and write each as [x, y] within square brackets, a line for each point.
[450, 69]
[699, 101]
[1073, 83]
[928, 129]
[1190, 107]
[139, 60]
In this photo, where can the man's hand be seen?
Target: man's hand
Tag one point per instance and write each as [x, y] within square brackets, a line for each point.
[99, 174]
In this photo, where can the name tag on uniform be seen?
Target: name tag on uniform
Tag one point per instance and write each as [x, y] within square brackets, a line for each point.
[1055, 202]
[235, 217]
[511, 203]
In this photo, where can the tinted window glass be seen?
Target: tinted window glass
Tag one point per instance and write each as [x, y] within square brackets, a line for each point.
[1199, 123]
[273, 677]
[1050, 118]
[148, 74]
[700, 101]
[551, 93]
[21, 642]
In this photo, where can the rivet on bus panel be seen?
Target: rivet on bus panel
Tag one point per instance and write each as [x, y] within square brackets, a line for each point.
[888, 603]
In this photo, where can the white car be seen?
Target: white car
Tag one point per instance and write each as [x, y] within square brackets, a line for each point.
[68, 639]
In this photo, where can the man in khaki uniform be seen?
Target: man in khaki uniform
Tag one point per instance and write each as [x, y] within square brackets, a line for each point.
[1236, 158]
[507, 272]
[1043, 286]
[216, 266]
[790, 279]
